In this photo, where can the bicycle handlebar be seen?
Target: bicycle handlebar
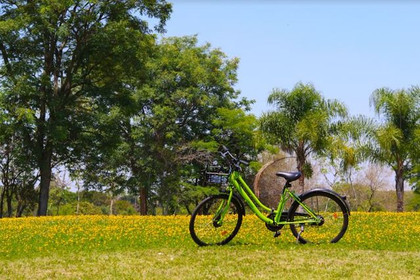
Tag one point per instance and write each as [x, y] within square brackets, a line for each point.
[224, 152]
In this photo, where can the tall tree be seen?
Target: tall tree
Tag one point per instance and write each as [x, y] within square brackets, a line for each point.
[302, 123]
[175, 107]
[17, 173]
[348, 150]
[64, 59]
[395, 137]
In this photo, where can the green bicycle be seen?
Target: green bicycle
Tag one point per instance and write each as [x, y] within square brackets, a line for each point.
[317, 216]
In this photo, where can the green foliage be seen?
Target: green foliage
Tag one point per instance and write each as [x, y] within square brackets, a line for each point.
[302, 123]
[17, 164]
[302, 116]
[163, 138]
[396, 139]
[397, 136]
[348, 147]
[211, 146]
[414, 203]
[238, 130]
[85, 208]
[87, 85]
[414, 174]
[62, 61]
[123, 207]
[60, 196]
[95, 197]
[190, 195]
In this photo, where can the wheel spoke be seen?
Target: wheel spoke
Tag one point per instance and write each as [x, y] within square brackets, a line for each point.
[204, 228]
[332, 215]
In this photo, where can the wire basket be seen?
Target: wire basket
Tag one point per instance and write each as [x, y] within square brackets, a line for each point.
[215, 175]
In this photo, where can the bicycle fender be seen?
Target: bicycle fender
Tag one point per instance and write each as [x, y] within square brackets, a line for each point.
[331, 192]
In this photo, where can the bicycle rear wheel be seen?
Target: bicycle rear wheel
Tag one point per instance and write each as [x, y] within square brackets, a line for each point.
[329, 208]
[214, 222]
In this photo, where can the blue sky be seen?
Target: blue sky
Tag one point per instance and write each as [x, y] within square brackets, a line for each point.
[346, 50]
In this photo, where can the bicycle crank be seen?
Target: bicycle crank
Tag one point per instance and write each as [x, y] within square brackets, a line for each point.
[276, 228]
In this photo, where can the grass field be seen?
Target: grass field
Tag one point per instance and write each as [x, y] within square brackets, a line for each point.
[376, 246]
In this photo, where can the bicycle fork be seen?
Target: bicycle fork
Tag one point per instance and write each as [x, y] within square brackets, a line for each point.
[221, 211]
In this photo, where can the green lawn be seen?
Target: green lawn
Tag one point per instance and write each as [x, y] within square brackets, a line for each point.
[377, 246]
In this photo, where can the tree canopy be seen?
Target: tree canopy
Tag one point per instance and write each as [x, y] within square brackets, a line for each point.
[302, 123]
[155, 140]
[63, 60]
[89, 86]
[396, 137]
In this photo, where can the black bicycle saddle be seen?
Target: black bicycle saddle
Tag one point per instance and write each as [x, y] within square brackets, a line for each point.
[289, 176]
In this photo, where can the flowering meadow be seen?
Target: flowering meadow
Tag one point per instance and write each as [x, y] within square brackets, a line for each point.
[38, 236]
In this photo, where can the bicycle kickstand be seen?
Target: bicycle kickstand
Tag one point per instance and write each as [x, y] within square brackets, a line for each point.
[302, 229]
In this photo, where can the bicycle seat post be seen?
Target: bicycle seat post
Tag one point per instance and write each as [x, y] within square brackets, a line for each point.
[285, 186]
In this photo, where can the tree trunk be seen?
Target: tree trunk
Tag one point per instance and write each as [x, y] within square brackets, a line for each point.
[188, 209]
[302, 177]
[399, 187]
[58, 207]
[143, 201]
[302, 182]
[78, 201]
[111, 206]
[301, 159]
[9, 205]
[44, 191]
[2, 201]
[19, 211]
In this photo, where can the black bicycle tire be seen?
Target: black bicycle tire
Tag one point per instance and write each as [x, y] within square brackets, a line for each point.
[332, 196]
[237, 204]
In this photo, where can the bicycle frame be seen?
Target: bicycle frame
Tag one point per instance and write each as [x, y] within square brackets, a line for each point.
[253, 202]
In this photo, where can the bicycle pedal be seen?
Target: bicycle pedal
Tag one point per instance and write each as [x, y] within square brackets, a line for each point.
[277, 234]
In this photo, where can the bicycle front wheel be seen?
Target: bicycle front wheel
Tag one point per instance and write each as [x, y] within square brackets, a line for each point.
[331, 212]
[214, 222]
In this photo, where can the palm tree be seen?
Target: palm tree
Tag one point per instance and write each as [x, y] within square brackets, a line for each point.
[395, 138]
[302, 123]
